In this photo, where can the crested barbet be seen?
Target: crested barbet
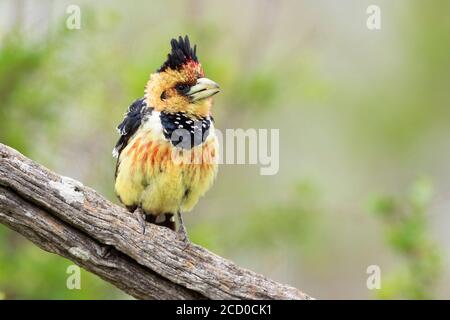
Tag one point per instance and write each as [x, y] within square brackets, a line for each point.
[167, 151]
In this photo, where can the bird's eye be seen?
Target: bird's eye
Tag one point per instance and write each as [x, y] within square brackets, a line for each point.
[182, 88]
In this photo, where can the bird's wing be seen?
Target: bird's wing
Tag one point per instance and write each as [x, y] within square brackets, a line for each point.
[134, 116]
[131, 122]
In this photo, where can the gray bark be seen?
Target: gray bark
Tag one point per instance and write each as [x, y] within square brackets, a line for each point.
[62, 216]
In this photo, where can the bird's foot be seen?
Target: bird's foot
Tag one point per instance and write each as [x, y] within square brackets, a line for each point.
[140, 216]
[182, 236]
[182, 233]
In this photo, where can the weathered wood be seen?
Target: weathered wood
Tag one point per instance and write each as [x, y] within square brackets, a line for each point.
[55, 236]
[62, 216]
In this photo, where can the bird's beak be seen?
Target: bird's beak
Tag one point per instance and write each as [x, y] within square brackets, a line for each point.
[204, 88]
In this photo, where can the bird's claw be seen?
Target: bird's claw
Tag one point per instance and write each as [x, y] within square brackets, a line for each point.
[140, 218]
[183, 237]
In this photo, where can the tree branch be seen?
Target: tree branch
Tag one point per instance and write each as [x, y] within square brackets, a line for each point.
[62, 216]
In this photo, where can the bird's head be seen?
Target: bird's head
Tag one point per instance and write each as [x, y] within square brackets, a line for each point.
[180, 84]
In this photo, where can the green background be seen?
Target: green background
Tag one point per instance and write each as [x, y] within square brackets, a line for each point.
[363, 118]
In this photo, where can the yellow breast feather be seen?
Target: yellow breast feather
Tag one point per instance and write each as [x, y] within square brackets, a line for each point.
[150, 176]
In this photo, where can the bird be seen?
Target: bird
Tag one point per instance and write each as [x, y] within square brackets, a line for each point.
[167, 152]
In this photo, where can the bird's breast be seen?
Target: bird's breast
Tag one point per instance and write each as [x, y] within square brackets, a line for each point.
[163, 177]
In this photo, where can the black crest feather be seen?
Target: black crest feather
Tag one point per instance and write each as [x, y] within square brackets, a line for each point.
[180, 54]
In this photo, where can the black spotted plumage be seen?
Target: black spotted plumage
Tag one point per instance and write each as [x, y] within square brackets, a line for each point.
[180, 54]
[131, 122]
[183, 131]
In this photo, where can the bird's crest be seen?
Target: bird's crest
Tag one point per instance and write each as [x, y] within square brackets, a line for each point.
[181, 54]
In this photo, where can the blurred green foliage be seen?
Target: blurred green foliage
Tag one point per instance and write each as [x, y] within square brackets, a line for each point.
[407, 233]
[26, 270]
[21, 66]
[30, 116]
[297, 220]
